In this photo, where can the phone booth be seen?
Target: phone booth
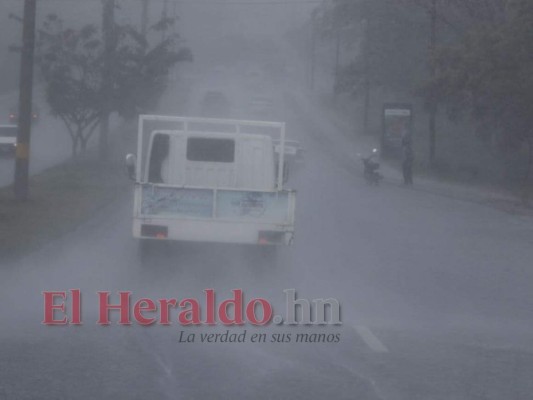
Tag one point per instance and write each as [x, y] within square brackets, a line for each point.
[397, 125]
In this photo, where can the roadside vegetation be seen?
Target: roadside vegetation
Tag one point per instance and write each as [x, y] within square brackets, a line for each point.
[466, 66]
[62, 198]
[89, 75]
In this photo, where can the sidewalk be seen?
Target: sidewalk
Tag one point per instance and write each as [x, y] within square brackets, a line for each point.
[351, 144]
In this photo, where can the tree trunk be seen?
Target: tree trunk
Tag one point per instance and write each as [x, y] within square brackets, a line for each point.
[103, 139]
[75, 141]
[83, 143]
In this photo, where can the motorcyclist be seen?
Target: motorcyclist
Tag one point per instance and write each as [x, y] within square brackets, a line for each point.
[371, 161]
[371, 166]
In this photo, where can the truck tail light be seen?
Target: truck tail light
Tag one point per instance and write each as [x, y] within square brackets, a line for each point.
[270, 237]
[154, 231]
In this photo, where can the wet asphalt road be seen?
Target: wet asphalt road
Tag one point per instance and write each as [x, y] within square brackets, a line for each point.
[435, 295]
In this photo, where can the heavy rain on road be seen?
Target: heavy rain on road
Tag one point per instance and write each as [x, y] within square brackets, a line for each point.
[435, 289]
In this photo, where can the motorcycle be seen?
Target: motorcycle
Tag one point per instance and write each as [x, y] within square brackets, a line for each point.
[371, 169]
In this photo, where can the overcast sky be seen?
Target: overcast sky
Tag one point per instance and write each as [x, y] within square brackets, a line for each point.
[202, 22]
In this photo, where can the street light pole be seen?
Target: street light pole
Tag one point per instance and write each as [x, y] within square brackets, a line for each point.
[22, 160]
[144, 17]
[366, 54]
[432, 72]
[337, 60]
[313, 52]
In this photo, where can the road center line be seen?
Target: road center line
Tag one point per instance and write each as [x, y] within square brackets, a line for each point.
[163, 365]
[370, 339]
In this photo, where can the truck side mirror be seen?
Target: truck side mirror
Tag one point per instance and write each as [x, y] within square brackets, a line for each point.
[285, 173]
[131, 163]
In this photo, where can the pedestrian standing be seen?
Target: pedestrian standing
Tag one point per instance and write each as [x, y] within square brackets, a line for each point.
[407, 161]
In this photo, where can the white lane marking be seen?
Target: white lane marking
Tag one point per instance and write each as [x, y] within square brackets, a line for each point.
[370, 339]
[163, 365]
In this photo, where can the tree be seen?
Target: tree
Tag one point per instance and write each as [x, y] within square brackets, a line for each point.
[391, 53]
[457, 14]
[398, 43]
[70, 63]
[488, 76]
[141, 73]
[73, 66]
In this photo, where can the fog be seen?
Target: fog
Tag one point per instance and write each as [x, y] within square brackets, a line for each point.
[433, 279]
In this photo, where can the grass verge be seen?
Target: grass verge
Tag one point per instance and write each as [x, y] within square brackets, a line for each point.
[61, 198]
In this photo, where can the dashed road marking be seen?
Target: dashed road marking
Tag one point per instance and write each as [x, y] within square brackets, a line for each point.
[166, 368]
[370, 339]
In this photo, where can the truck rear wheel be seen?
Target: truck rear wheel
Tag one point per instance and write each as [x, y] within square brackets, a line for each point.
[152, 253]
[261, 256]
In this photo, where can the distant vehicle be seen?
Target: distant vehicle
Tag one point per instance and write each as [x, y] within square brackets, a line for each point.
[194, 183]
[261, 107]
[8, 139]
[14, 118]
[215, 105]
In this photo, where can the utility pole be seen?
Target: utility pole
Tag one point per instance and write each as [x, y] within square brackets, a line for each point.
[164, 16]
[22, 160]
[144, 17]
[313, 51]
[337, 60]
[108, 31]
[366, 54]
[432, 72]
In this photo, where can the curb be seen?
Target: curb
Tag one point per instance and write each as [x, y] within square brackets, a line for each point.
[500, 201]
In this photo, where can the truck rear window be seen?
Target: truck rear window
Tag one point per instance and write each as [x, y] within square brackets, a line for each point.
[211, 150]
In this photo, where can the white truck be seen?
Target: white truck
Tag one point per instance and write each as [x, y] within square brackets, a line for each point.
[210, 180]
